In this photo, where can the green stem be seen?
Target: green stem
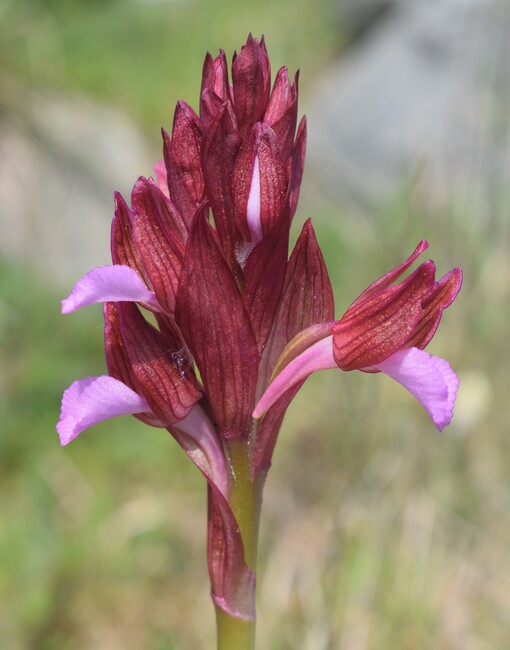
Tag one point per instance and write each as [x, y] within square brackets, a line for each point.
[245, 496]
[233, 633]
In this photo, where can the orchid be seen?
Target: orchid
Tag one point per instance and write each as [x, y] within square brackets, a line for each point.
[236, 325]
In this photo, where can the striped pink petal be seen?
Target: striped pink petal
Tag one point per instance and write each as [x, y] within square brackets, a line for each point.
[94, 399]
[318, 356]
[117, 283]
[430, 379]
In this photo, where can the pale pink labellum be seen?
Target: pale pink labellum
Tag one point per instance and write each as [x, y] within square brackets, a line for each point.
[116, 283]
[94, 399]
[430, 379]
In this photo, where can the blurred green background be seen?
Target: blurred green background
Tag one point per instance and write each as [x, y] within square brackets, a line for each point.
[377, 531]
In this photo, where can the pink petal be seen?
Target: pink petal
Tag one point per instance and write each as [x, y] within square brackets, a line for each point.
[253, 207]
[195, 434]
[94, 399]
[161, 177]
[430, 379]
[318, 356]
[117, 283]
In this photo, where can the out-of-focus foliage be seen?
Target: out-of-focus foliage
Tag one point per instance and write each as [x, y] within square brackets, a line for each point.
[145, 55]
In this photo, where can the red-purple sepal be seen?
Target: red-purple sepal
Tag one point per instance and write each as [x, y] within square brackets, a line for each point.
[251, 74]
[389, 278]
[212, 317]
[264, 275]
[122, 243]
[117, 359]
[306, 299]
[158, 233]
[220, 147]
[375, 328]
[297, 166]
[442, 295]
[168, 386]
[215, 89]
[183, 162]
[259, 183]
[232, 582]
[281, 111]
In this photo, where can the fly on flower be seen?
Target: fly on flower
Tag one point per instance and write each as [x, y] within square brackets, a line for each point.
[239, 325]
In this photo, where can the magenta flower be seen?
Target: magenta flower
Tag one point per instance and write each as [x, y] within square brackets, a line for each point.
[239, 324]
[385, 329]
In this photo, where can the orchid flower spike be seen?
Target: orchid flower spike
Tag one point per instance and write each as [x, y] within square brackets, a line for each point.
[235, 324]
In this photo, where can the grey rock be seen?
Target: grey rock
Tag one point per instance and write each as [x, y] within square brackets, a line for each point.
[61, 158]
[427, 92]
[356, 17]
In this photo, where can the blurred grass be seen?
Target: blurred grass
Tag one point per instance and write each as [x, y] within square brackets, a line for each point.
[390, 536]
[145, 55]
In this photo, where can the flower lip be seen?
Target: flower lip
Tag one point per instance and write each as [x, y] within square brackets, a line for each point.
[383, 330]
[115, 283]
[91, 400]
[428, 378]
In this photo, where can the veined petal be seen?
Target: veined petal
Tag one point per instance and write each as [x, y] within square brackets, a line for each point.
[259, 183]
[123, 247]
[391, 276]
[264, 277]
[307, 298]
[117, 359]
[441, 297]
[375, 328]
[117, 283]
[297, 166]
[183, 162]
[197, 437]
[159, 233]
[94, 399]
[281, 111]
[430, 379]
[214, 84]
[159, 366]
[250, 80]
[318, 356]
[232, 582]
[217, 329]
[220, 146]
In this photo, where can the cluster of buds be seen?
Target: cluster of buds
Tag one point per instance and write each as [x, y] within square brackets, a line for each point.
[236, 325]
